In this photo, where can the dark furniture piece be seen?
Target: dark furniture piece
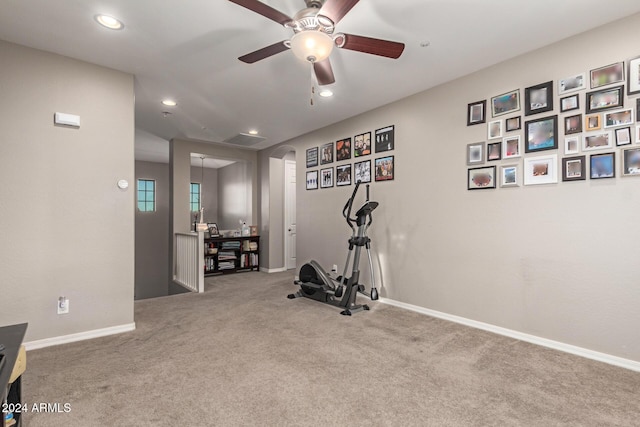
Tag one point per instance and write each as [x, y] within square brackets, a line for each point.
[11, 338]
[231, 254]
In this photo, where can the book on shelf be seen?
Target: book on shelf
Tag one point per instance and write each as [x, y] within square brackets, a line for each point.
[249, 245]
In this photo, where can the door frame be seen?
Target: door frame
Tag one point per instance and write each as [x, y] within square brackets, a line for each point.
[286, 219]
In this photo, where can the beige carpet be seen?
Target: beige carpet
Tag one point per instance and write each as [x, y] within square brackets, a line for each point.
[243, 354]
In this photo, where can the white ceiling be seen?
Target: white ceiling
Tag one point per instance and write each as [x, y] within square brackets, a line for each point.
[187, 50]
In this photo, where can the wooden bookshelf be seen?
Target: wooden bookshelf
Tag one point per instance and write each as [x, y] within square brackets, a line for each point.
[226, 255]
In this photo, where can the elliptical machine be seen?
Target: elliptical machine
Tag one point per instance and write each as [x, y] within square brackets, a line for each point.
[317, 284]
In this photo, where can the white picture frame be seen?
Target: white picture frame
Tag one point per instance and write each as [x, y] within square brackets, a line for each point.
[511, 147]
[541, 170]
[572, 83]
[509, 176]
[597, 141]
[494, 129]
[572, 144]
[616, 118]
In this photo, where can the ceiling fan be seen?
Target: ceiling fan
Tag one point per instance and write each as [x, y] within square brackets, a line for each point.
[314, 38]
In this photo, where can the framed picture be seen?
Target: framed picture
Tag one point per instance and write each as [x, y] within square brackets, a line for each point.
[343, 175]
[509, 176]
[505, 103]
[312, 157]
[494, 151]
[362, 171]
[633, 76]
[618, 118]
[475, 153]
[326, 178]
[604, 99]
[573, 124]
[481, 178]
[607, 75]
[213, 229]
[597, 141]
[623, 136]
[631, 162]
[574, 168]
[512, 124]
[476, 113]
[312, 180]
[541, 134]
[538, 98]
[326, 153]
[572, 145]
[494, 130]
[603, 165]
[385, 169]
[572, 83]
[362, 144]
[541, 170]
[511, 147]
[593, 122]
[343, 149]
[385, 139]
[569, 103]
[637, 134]
[638, 110]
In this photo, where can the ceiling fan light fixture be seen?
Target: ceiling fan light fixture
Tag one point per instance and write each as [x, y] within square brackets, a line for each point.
[312, 45]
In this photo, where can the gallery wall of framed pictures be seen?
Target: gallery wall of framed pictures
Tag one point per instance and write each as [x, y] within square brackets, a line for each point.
[595, 131]
[364, 157]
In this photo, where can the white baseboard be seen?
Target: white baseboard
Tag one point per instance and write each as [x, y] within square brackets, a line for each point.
[81, 336]
[273, 270]
[556, 345]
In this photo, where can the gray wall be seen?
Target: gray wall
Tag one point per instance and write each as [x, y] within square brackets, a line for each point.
[66, 228]
[152, 228]
[556, 261]
[234, 196]
[209, 191]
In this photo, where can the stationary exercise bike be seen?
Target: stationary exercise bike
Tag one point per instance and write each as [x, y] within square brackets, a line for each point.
[317, 284]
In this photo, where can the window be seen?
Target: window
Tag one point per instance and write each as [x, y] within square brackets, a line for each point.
[195, 197]
[146, 195]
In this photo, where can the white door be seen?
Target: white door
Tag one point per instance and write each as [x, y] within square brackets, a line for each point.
[290, 214]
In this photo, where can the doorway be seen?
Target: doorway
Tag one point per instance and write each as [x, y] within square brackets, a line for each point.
[290, 214]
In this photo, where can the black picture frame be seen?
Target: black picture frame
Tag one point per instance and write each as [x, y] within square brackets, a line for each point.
[312, 157]
[326, 178]
[598, 100]
[637, 109]
[385, 168]
[343, 175]
[362, 171]
[476, 112]
[213, 229]
[573, 124]
[569, 103]
[623, 136]
[362, 144]
[482, 178]
[574, 168]
[326, 154]
[602, 165]
[541, 134]
[385, 139]
[631, 162]
[513, 123]
[312, 180]
[538, 98]
[343, 149]
[494, 151]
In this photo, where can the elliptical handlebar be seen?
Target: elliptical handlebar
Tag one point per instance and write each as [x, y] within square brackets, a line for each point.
[346, 211]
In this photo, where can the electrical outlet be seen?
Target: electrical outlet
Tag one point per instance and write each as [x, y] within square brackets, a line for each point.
[335, 268]
[63, 305]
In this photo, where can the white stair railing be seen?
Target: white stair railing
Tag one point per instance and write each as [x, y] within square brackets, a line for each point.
[190, 261]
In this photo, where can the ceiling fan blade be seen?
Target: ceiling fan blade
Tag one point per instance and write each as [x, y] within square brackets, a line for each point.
[370, 45]
[263, 53]
[336, 9]
[324, 72]
[264, 10]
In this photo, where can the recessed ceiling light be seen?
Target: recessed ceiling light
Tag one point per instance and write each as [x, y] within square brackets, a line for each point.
[253, 132]
[109, 22]
[325, 93]
[169, 103]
